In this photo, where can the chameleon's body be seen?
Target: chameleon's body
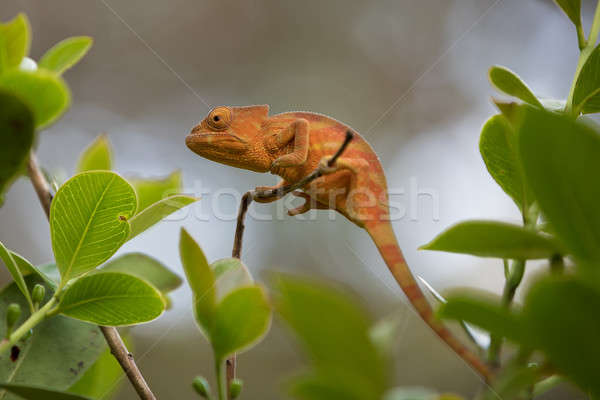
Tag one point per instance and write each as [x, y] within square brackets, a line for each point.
[294, 144]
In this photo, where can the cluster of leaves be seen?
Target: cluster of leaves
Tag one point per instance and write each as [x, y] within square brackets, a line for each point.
[232, 312]
[31, 95]
[55, 346]
[546, 159]
[349, 354]
[92, 215]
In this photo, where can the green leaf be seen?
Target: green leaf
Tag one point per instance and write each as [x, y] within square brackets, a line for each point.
[498, 147]
[230, 274]
[111, 299]
[494, 239]
[586, 96]
[152, 190]
[560, 160]
[59, 351]
[572, 8]
[38, 392]
[156, 212]
[43, 92]
[65, 54]
[201, 279]
[242, 318]
[15, 272]
[102, 379]
[16, 125]
[484, 311]
[97, 156]
[561, 314]
[508, 82]
[88, 221]
[146, 268]
[334, 331]
[14, 42]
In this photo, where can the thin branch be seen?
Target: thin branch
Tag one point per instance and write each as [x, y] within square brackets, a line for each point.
[247, 199]
[113, 339]
[41, 186]
[125, 359]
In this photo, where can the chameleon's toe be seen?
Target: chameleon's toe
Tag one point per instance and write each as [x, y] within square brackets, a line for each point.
[324, 165]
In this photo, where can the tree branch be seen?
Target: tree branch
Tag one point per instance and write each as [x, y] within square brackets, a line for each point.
[113, 339]
[41, 186]
[247, 199]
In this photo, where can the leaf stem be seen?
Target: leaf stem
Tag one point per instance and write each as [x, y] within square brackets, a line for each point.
[31, 322]
[583, 57]
[581, 37]
[514, 275]
[513, 280]
[221, 384]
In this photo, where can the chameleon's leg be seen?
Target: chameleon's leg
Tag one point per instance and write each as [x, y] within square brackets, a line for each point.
[309, 204]
[280, 184]
[298, 131]
[357, 197]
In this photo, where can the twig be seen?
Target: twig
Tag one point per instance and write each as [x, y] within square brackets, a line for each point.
[113, 339]
[247, 199]
[125, 359]
[41, 186]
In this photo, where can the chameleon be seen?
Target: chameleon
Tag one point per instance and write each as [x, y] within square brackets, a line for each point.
[294, 144]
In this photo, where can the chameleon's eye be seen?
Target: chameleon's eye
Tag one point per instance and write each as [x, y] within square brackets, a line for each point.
[219, 118]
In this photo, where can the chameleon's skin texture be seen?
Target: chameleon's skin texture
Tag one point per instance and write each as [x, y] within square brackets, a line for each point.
[294, 144]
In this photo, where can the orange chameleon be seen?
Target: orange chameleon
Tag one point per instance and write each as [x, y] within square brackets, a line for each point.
[294, 144]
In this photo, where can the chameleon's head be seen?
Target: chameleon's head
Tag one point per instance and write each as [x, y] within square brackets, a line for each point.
[232, 136]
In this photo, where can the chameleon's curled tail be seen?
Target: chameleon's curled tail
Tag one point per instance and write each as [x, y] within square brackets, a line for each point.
[383, 235]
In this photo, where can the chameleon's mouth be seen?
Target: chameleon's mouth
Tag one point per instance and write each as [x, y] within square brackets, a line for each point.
[199, 141]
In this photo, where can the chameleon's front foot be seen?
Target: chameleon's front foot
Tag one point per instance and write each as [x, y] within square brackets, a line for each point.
[324, 166]
[267, 194]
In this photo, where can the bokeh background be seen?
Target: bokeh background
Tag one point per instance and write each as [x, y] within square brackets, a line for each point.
[411, 76]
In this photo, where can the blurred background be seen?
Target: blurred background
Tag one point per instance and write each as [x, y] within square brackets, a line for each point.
[411, 76]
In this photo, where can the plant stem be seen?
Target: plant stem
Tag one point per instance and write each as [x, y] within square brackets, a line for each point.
[31, 322]
[581, 37]
[583, 57]
[113, 339]
[514, 276]
[222, 390]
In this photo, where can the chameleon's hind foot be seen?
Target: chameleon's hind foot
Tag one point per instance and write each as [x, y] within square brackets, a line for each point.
[309, 204]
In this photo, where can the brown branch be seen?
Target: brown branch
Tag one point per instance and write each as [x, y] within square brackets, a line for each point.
[113, 339]
[41, 186]
[247, 199]
[125, 359]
